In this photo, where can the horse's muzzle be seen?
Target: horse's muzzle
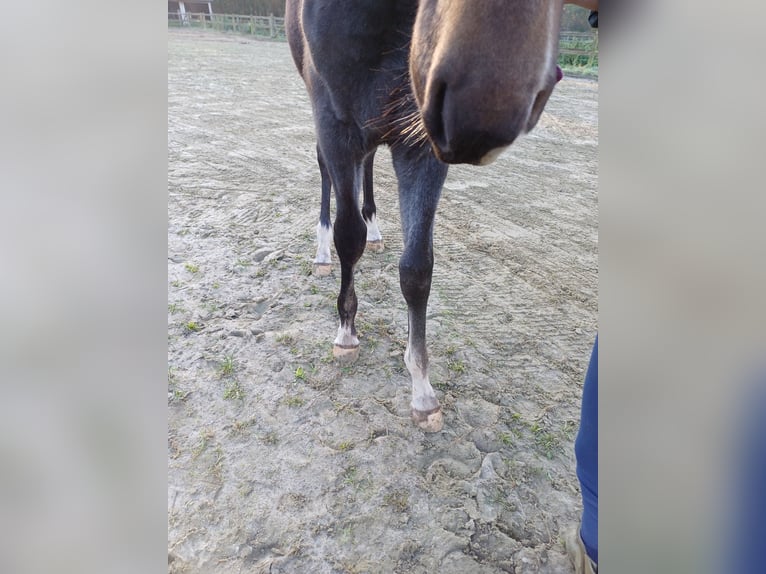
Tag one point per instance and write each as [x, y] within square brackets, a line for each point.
[465, 126]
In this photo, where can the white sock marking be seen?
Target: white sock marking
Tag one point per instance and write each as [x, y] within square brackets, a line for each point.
[345, 338]
[373, 232]
[324, 240]
[423, 396]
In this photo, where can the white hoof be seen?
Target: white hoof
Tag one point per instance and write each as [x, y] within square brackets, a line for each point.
[345, 354]
[375, 246]
[429, 421]
[322, 269]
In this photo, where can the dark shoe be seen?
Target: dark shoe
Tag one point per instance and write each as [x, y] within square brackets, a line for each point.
[577, 554]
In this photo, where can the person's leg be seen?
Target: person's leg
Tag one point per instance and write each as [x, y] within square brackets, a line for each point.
[586, 453]
[744, 547]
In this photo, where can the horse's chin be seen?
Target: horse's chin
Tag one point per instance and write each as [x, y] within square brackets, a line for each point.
[492, 155]
[478, 156]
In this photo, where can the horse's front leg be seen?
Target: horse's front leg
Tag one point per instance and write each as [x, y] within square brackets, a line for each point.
[343, 156]
[421, 177]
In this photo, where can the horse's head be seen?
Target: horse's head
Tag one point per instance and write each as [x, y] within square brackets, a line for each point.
[482, 71]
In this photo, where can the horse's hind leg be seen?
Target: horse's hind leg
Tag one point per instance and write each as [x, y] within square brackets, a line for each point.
[421, 177]
[369, 212]
[323, 262]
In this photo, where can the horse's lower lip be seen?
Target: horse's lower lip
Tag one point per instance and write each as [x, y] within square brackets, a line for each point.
[559, 74]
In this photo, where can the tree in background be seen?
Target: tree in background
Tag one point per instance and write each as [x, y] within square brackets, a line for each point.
[575, 19]
[256, 7]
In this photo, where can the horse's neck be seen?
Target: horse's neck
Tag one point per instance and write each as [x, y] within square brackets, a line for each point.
[360, 51]
[354, 39]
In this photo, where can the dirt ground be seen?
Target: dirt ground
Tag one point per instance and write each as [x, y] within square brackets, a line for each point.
[282, 461]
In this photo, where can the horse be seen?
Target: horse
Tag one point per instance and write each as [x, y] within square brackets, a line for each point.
[439, 82]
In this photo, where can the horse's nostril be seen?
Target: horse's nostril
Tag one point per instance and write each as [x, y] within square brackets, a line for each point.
[435, 116]
[464, 123]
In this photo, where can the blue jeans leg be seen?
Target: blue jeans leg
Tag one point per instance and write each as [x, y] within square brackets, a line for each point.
[586, 453]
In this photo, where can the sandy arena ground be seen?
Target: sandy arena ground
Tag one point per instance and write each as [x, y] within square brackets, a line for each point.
[281, 460]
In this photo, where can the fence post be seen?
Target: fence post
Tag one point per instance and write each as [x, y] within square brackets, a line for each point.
[594, 48]
[272, 28]
[252, 25]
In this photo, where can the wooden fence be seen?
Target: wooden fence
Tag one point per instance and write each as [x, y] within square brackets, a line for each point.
[580, 46]
[262, 26]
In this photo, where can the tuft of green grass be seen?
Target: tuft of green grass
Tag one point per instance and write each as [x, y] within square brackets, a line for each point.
[570, 430]
[174, 308]
[345, 446]
[217, 467]
[176, 394]
[351, 476]
[547, 441]
[191, 267]
[240, 427]
[398, 500]
[285, 339]
[176, 283]
[270, 438]
[233, 391]
[438, 384]
[295, 401]
[307, 267]
[205, 439]
[242, 262]
[193, 326]
[506, 439]
[227, 366]
[300, 374]
[456, 366]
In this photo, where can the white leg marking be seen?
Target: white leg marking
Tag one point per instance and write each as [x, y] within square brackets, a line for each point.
[423, 396]
[345, 338]
[373, 232]
[324, 240]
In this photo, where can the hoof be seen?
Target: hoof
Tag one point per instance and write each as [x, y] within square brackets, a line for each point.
[322, 269]
[375, 246]
[345, 354]
[429, 421]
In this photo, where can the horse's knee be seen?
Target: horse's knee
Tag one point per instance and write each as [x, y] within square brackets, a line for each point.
[415, 273]
[350, 234]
